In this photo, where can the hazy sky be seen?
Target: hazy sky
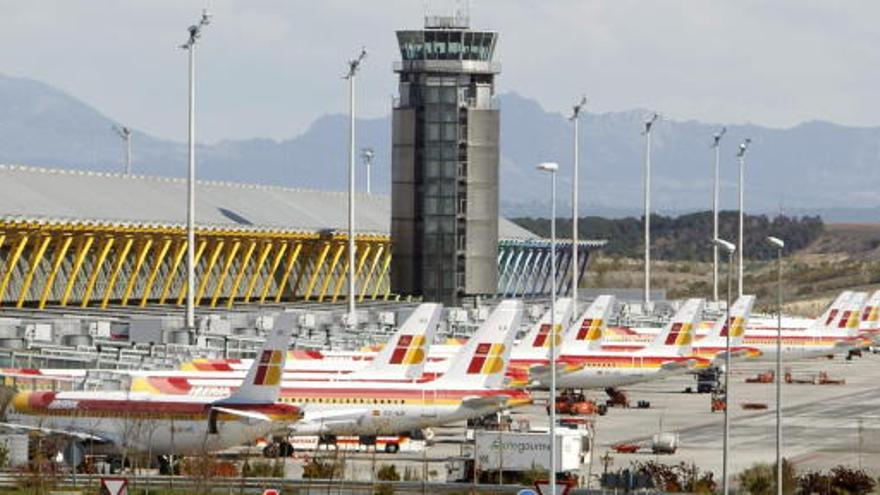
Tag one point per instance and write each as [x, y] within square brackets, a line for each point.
[268, 68]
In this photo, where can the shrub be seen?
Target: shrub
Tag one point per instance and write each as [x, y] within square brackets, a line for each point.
[388, 472]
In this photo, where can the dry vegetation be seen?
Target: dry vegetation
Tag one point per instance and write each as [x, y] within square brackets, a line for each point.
[845, 256]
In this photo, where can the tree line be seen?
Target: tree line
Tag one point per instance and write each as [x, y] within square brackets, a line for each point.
[686, 237]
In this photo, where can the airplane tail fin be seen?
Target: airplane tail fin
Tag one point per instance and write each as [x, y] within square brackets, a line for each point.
[483, 361]
[848, 323]
[404, 356]
[830, 315]
[739, 319]
[677, 336]
[588, 330]
[870, 319]
[262, 383]
[536, 342]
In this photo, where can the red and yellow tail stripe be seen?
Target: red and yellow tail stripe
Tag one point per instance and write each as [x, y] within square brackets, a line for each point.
[680, 334]
[591, 330]
[410, 349]
[542, 340]
[270, 368]
[488, 359]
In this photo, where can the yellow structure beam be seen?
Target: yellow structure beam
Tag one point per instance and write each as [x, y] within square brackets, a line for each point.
[373, 265]
[362, 252]
[154, 271]
[331, 270]
[60, 253]
[206, 275]
[2, 238]
[11, 263]
[246, 259]
[291, 261]
[382, 275]
[258, 268]
[227, 264]
[82, 251]
[172, 270]
[122, 255]
[200, 249]
[36, 259]
[319, 261]
[270, 275]
[303, 268]
[96, 270]
[146, 244]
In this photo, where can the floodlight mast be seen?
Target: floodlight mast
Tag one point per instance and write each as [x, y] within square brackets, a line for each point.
[195, 33]
[716, 143]
[353, 67]
[125, 133]
[741, 154]
[367, 154]
[575, 214]
[649, 123]
[725, 462]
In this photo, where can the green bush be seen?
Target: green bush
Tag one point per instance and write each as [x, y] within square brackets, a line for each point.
[388, 472]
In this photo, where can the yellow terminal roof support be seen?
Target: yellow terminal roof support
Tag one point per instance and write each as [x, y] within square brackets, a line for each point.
[96, 270]
[206, 275]
[60, 253]
[82, 251]
[383, 275]
[330, 271]
[303, 268]
[291, 262]
[2, 238]
[200, 250]
[154, 272]
[11, 263]
[340, 278]
[255, 274]
[172, 270]
[227, 264]
[36, 259]
[316, 270]
[246, 259]
[144, 250]
[117, 267]
[373, 265]
[270, 275]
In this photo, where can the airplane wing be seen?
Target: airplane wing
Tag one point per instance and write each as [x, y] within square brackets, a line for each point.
[480, 402]
[79, 435]
[673, 366]
[337, 416]
[249, 415]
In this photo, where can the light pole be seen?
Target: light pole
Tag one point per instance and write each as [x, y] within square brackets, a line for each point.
[353, 67]
[367, 154]
[195, 32]
[716, 143]
[575, 214]
[649, 123]
[125, 133]
[552, 168]
[741, 154]
[730, 248]
[779, 244]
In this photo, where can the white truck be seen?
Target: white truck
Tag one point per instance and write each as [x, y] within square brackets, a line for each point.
[522, 451]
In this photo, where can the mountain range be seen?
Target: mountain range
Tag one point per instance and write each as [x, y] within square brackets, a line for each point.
[815, 167]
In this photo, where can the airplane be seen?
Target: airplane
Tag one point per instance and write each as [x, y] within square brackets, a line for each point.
[713, 345]
[472, 387]
[584, 365]
[121, 422]
[534, 348]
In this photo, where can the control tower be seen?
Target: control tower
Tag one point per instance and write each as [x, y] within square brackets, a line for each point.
[445, 160]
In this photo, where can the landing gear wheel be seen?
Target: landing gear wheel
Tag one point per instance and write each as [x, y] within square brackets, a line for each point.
[391, 448]
[169, 465]
[271, 451]
[285, 449]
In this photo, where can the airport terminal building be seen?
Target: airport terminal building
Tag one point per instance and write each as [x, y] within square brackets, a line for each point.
[98, 240]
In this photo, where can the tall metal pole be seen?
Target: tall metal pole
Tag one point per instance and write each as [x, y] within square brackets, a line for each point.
[353, 67]
[648, 124]
[727, 391]
[575, 213]
[367, 154]
[730, 248]
[190, 46]
[128, 152]
[742, 166]
[552, 168]
[715, 201]
[779, 244]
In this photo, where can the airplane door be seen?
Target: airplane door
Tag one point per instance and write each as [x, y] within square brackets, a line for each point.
[429, 405]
